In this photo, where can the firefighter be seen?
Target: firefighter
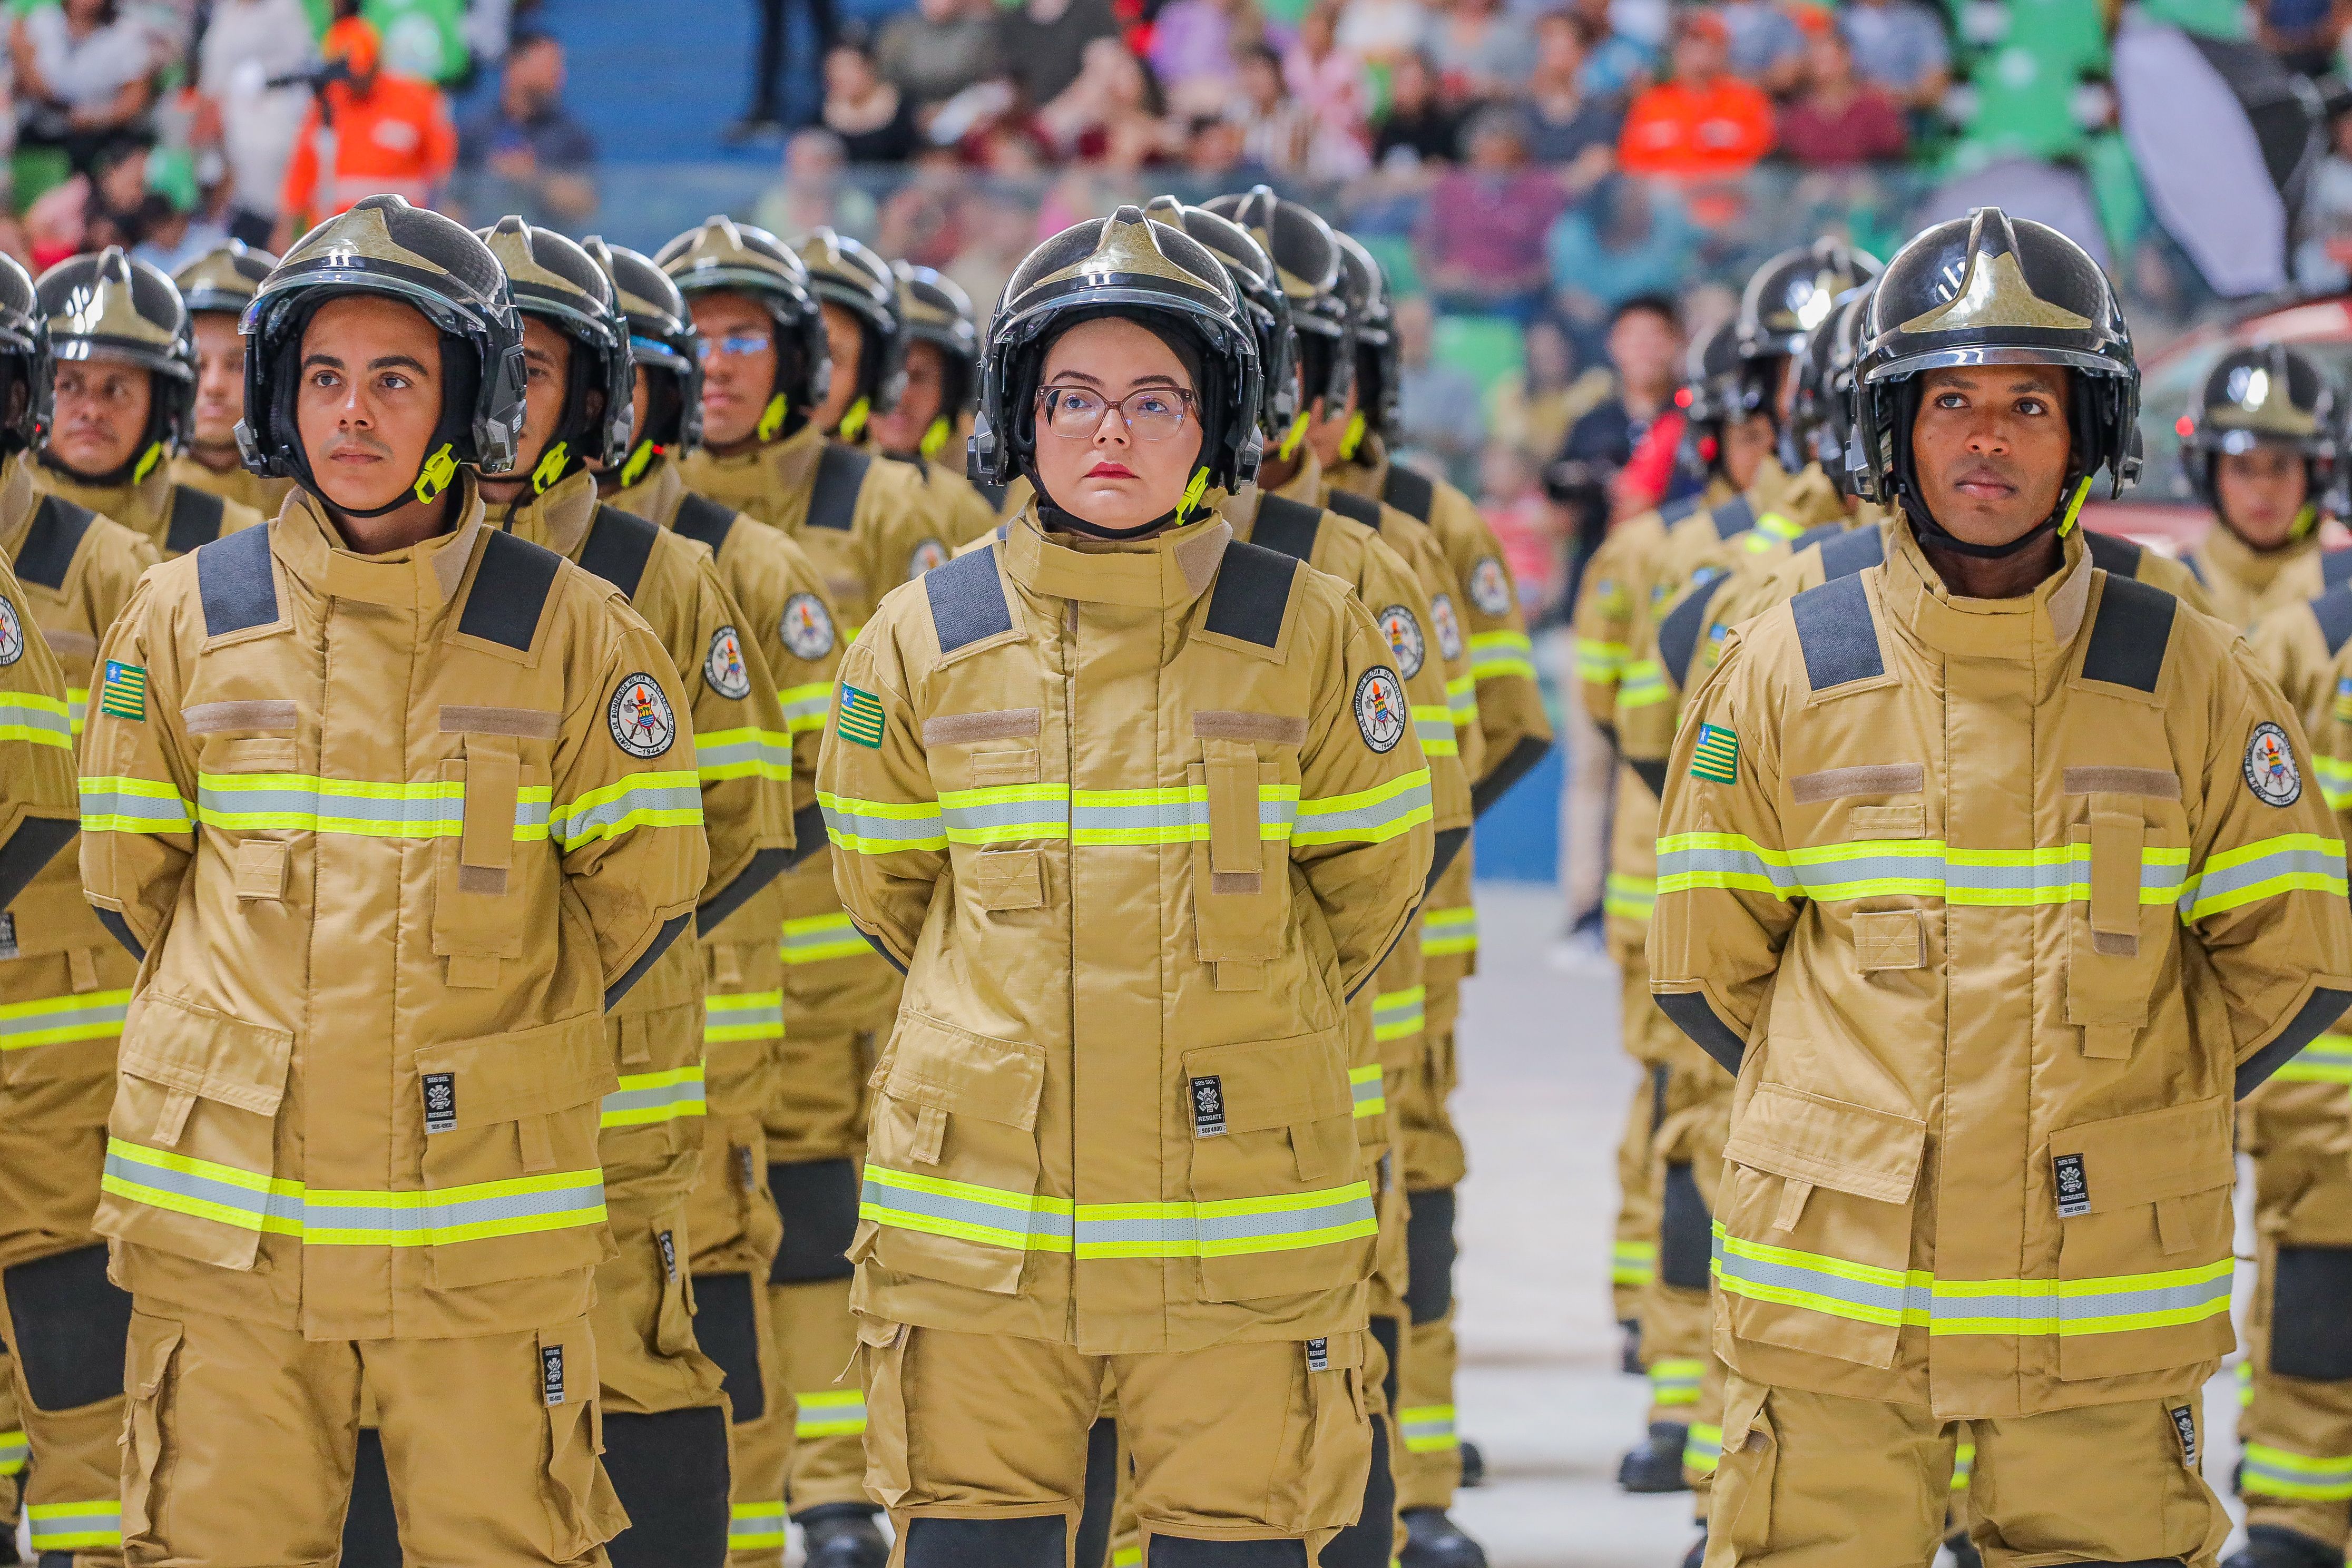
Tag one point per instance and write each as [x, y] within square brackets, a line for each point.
[125, 402]
[63, 986]
[1857, 909]
[1189, 1215]
[392, 808]
[925, 429]
[216, 287]
[2260, 447]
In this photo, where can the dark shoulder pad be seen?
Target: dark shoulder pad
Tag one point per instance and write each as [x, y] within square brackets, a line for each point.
[1820, 533]
[840, 475]
[1838, 633]
[967, 600]
[1410, 493]
[1253, 589]
[509, 592]
[1733, 518]
[195, 519]
[52, 541]
[1362, 508]
[618, 545]
[1674, 511]
[2128, 638]
[703, 520]
[2335, 568]
[991, 492]
[1679, 633]
[1857, 550]
[1285, 526]
[2332, 611]
[233, 580]
[2113, 554]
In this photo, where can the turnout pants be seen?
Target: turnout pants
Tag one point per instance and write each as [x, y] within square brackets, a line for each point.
[1634, 1248]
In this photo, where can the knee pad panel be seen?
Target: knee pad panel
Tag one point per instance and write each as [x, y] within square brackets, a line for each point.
[370, 1529]
[1182, 1552]
[72, 1328]
[819, 1202]
[727, 1329]
[1370, 1542]
[1429, 1255]
[986, 1542]
[1102, 1494]
[2311, 1331]
[1686, 1232]
[671, 1473]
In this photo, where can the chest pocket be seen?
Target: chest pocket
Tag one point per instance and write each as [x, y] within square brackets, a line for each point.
[1240, 871]
[501, 797]
[2128, 880]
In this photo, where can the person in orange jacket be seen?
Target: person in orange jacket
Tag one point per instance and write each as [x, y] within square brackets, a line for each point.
[369, 131]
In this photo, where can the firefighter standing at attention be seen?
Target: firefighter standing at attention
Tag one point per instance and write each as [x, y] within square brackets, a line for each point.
[216, 287]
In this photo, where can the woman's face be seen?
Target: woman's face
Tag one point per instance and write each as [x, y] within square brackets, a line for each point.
[1105, 474]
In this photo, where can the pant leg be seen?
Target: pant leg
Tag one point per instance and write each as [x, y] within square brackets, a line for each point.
[1814, 1480]
[66, 1325]
[828, 1463]
[1429, 1462]
[14, 1449]
[1584, 813]
[238, 1442]
[1633, 1248]
[1699, 1138]
[2104, 1483]
[525, 1487]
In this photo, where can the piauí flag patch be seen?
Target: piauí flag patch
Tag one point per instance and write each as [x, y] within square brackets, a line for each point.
[123, 694]
[861, 717]
[1716, 759]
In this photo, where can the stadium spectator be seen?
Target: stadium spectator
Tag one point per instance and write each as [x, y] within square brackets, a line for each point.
[2304, 33]
[1900, 45]
[1480, 50]
[2323, 260]
[85, 76]
[1615, 62]
[526, 138]
[386, 134]
[1216, 158]
[814, 192]
[1532, 407]
[1481, 240]
[1628, 238]
[1838, 120]
[1418, 126]
[1043, 43]
[1276, 127]
[1703, 122]
[1526, 524]
[248, 45]
[1329, 82]
[938, 48]
[1110, 105]
[1767, 46]
[1383, 32]
[1588, 469]
[1196, 50]
[1572, 130]
[874, 120]
[1438, 411]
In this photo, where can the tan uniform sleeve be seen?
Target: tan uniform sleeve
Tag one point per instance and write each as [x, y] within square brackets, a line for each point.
[139, 778]
[1417, 546]
[1722, 916]
[800, 635]
[1389, 584]
[881, 810]
[38, 803]
[2161, 571]
[2265, 889]
[1604, 622]
[741, 753]
[1502, 658]
[2289, 647]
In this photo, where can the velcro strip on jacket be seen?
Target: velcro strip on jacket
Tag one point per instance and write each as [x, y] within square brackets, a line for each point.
[1673, 512]
[1414, 494]
[1838, 633]
[2130, 633]
[2333, 611]
[1853, 552]
[840, 476]
[1287, 527]
[52, 541]
[1733, 518]
[195, 520]
[234, 579]
[1252, 593]
[968, 602]
[2113, 554]
[1820, 533]
[1678, 635]
[1362, 508]
[619, 544]
[510, 593]
[703, 520]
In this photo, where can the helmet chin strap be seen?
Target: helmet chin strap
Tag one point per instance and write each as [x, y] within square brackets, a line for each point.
[1053, 517]
[2061, 521]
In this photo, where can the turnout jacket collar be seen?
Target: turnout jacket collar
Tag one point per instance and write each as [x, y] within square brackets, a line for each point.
[1167, 571]
[2255, 569]
[657, 492]
[426, 575]
[1962, 627]
[16, 504]
[785, 468]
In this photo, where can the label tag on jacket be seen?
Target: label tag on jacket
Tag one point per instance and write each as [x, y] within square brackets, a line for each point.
[7, 931]
[1319, 1355]
[440, 1102]
[2184, 1426]
[1208, 1106]
[669, 1254]
[2074, 1187]
[749, 1162]
[551, 1373]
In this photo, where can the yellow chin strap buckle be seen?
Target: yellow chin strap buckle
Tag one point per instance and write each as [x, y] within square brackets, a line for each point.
[550, 468]
[2304, 521]
[2074, 506]
[771, 418]
[1353, 437]
[439, 469]
[1192, 493]
[639, 461]
[1292, 436]
[853, 420]
[936, 436]
[147, 461]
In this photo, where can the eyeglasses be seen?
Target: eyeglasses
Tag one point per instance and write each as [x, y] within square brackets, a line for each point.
[1076, 413]
[738, 344]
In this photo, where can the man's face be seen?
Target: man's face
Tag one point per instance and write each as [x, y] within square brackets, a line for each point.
[902, 430]
[1746, 443]
[220, 379]
[1643, 346]
[1697, 58]
[847, 343]
[2261, 493]
[370, 399]
[739, 371]
[1989, 444]
[537, 71]
[547, 370]
[102, 415]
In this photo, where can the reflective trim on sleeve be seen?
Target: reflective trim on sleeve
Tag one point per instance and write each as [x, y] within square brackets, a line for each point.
[1365, 1085]
[1449, 930]
[1598, 662]
[639, 800]
[1629, 897]
[1371, 815]
[15, 1449]
[1642, 685]
[2262, 869]
[1918, 867]
[1771, 528]
[76, 707]
[755, 1526]
[805, 706]
[1399, 1015]
[829, 1413]
[55, 1020]
[1432, 723]
[1676, 1380]
[2335, 777]
[1964, 1464]
[643, 1099]
[1494, 654]
[729, 1015]
[814, 939]
[1221, 1229]
[748, 752]
[1428, 1428]
[118, 804]
[881, 827]
[92, 1526]
[2328, 1059]
[1633, 1262]
[2276, 1472]
[1462, 700]
[36, 719]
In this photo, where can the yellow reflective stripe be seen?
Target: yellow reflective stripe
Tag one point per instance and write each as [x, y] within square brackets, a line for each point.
[1427, 1428]
[1631, 1262]
[1597, 661]
[15, 1449]
[805, 706]
[76, 707]
[1369, 816]
[814, 939]
[118, 803]
[2277, 1472]
[881, 826]
[1494, 654]
[93, 1525]
[638, 800]
[2328, 1059]
[749, 752]
[1964, 1464]
[36, 719]
[753, 1526]
[1434, 723]
[2334, 773]
[1920, 868]
[1450, 929]
[645, 1098]
[1703, 1447]
[1364, 1084]
[1644, 685]
[1215, 1228]
[829, 1413]
[55, 1020]
[367, 808]
[2289, 863]
[1629, 897]
[1462, 699]
[1676, 1380]
[1398, 1014]
[745, 1014]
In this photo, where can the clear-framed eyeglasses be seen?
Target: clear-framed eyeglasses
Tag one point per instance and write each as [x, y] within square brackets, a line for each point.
[1150, 414]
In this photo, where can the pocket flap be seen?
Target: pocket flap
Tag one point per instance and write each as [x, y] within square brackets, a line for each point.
[932, 1063]
[1277, 1083]
[1831, 1144]
[530, 1072]
[210, 1055]
[2154, 1155]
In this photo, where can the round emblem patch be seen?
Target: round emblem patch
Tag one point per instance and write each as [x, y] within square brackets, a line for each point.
[1449, 628]
[640, 717]
[12, 633]
[808, 626]
[1379, 708]
[722, 667]
[930, 553]
[2271, 772]
[1490, 588]
[1403, 632]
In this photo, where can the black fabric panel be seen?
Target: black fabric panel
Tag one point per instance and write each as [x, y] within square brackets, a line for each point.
[234, 582]
[1101, 1497]
[1679, 633]
[1658, 1076]
[2332, 611]
[728, 1329]
[72, 1325]
[1179, 1552]
[670, 1471]
[1370, 1540]
[2311, 1313]
[1389, 1332]
[511, 588]
[1361, 509]
[119, 930]
[1429, 1255]
[703, 520]
[840, 475]
[992, 492]
[818, 1200]
[1693, 1016]
[875, 943]
[195, 520]
[1450, 841]
[1674, 511]
[2113, 552]
[1253, 590]
[1857, 550]
[645, 960]
[967, 599]
[1287, 527]
[2130, 636]
[766, 866]
[371, 1528]
[2322, 1009]
[1838, 633]
[1415, 495]
[53, 540]
[1508, 772]
[1820, 533]
[808, 834]
[1733, 518]
[1652, 772]
[2137, 1563]
[36, 841]
[1036, 1543]
[1686, 1232]
[2335, 568]
[619, 544]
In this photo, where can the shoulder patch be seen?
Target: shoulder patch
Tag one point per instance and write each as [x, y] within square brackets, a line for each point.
[618, 546]
[12, 633]
[52, 541]
[703, 520]
[929, 555]
[1837, 634]
[807, 627]
[2128, 640]
[1362, 509]
[1380, 708]
[1717, 756]
[195, 520]
[511, 582]
[233, 579]
[1489, 588]
[640, 717]
[1252, 593]
[122, 691]
[840, 475]
[1674, 511]
[2335, 568]
[861, 718]
[967, 601]
[1733, 518]
[1448, 624]
[1406, 640]
[2271, 771]
[2112, 552]
[1857, 550]
[1286, 526]
[723, 670]
[1678, 633]
[2332, 611]
[1414, 494]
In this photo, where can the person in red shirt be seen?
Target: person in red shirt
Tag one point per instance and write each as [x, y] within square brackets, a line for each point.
[369, 131]
[1838, 120]
[1702, 122]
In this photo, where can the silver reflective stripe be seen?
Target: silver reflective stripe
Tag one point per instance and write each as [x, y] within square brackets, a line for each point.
[1004, 814]
[170, 812]
[1375, 814]
[1003, 1220]
[842, 818]
[586, 821]
[1180, 1229]
[710, 758]
[435, 1216]
[64, 1017]
[1433, 731]
[634, 1102]
[2253, 873]
[75, 1526]
[263, 1205]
